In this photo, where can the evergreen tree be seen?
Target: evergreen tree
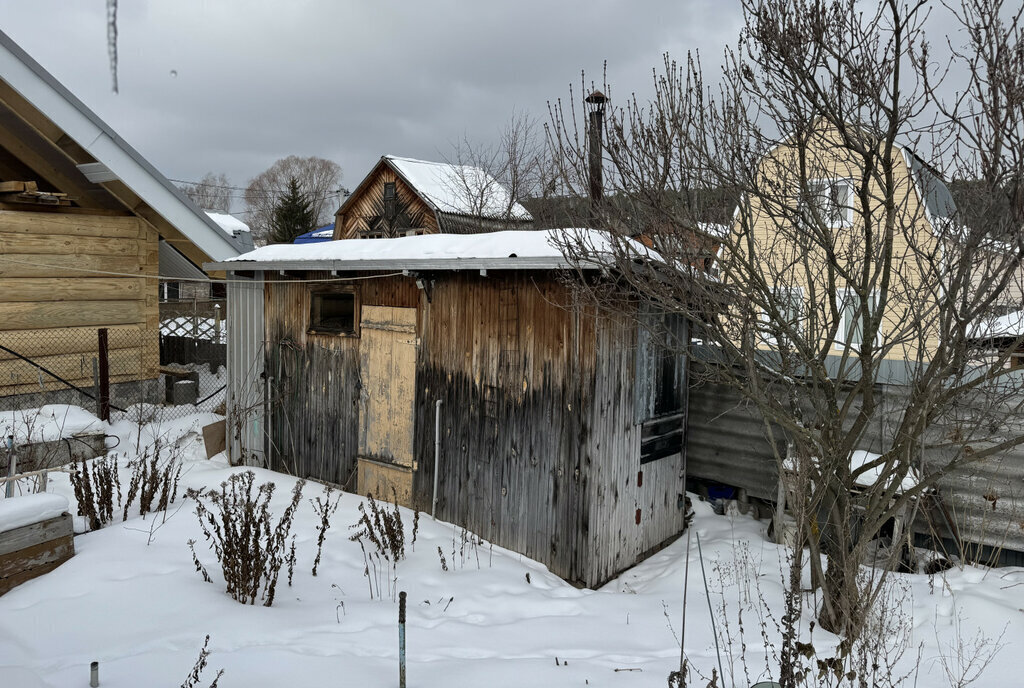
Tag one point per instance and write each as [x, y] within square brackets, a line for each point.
[293, 215]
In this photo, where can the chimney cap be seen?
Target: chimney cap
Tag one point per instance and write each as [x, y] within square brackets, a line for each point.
[596, 98]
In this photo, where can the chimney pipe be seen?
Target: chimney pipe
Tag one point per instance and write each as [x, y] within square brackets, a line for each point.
[595, 133]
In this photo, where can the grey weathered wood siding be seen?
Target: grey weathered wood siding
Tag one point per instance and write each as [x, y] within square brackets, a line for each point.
[540, 452]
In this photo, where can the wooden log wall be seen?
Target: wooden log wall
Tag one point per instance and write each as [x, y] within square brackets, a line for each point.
[50, 311]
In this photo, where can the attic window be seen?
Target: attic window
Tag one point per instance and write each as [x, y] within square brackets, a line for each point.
[390, 201]
[832, 200]
[333, 312]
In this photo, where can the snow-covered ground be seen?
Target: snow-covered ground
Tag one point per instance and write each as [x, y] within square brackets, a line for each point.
[131, 599]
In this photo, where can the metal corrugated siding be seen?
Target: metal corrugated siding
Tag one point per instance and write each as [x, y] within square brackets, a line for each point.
[726, 441]
[245, 398]
[727, 444]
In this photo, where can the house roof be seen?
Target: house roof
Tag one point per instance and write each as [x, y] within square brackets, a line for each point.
[935, 194]
[54, 137]
[451, 189]
[508, 250]
[459, 189]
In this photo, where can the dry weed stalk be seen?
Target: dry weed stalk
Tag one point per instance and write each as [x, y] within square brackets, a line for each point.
[324, 508]
[238, 526]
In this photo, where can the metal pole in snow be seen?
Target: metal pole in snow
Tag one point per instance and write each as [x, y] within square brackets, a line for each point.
[94, 674]
[686, 585]
[714, 630]
[437, 454]
[401, 639]
[12, 460]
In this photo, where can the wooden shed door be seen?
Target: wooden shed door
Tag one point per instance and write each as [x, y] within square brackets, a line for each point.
[388, 372]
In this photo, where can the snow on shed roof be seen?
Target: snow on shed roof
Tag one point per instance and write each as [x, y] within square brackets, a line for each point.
[1009, 326]
[459, 189]
[509, 250]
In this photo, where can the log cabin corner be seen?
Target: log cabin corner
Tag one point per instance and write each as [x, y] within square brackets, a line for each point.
[87, 227]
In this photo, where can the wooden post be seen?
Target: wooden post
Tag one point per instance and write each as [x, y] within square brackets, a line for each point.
[96, 384]
[104, 361]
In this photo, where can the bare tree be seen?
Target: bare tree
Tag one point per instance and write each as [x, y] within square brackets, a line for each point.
[492, 180]
[847, 296]
[212, 192]
[319, 181]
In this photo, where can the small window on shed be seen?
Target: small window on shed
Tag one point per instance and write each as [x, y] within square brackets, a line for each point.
[660, 384]
[333, 312]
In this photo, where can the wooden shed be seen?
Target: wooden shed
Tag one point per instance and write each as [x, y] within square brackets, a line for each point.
[86, 227]
[561, 427]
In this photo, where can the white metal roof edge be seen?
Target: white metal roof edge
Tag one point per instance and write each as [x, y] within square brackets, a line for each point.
[536, 263]
[30, 80]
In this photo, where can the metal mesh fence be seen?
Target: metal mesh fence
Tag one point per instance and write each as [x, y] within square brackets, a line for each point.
[64, 366]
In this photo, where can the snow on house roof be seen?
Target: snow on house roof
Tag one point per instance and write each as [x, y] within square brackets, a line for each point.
[509, 250]
[459, 189]
[229, 223]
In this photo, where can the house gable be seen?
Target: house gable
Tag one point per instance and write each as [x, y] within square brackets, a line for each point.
[369, 213]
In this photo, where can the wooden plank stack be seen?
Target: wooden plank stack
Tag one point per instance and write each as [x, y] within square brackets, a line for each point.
[28, 192]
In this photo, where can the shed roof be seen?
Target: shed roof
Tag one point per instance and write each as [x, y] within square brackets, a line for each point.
[67, 145]
[508, 250]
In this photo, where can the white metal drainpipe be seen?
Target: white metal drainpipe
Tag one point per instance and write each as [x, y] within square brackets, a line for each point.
[437, 454]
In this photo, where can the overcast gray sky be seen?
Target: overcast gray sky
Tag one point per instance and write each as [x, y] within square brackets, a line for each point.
[233, 85]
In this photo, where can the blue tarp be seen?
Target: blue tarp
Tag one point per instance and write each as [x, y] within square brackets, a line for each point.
[320, 234]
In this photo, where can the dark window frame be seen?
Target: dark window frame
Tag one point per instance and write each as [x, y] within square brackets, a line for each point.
[660, 384]
[316, 301]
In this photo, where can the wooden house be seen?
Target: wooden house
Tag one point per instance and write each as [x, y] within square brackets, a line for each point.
[406, 197]
[560, 427]
[87, 226]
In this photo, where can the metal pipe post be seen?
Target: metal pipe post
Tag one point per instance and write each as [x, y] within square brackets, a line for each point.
[12, 467]
[437, 454]
[401, 639]
[94, 675]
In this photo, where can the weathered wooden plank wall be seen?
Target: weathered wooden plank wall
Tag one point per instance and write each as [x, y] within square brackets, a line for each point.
[369, 205]
[540, 451]
[500, 353]
[314, 378]
[634, 507]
